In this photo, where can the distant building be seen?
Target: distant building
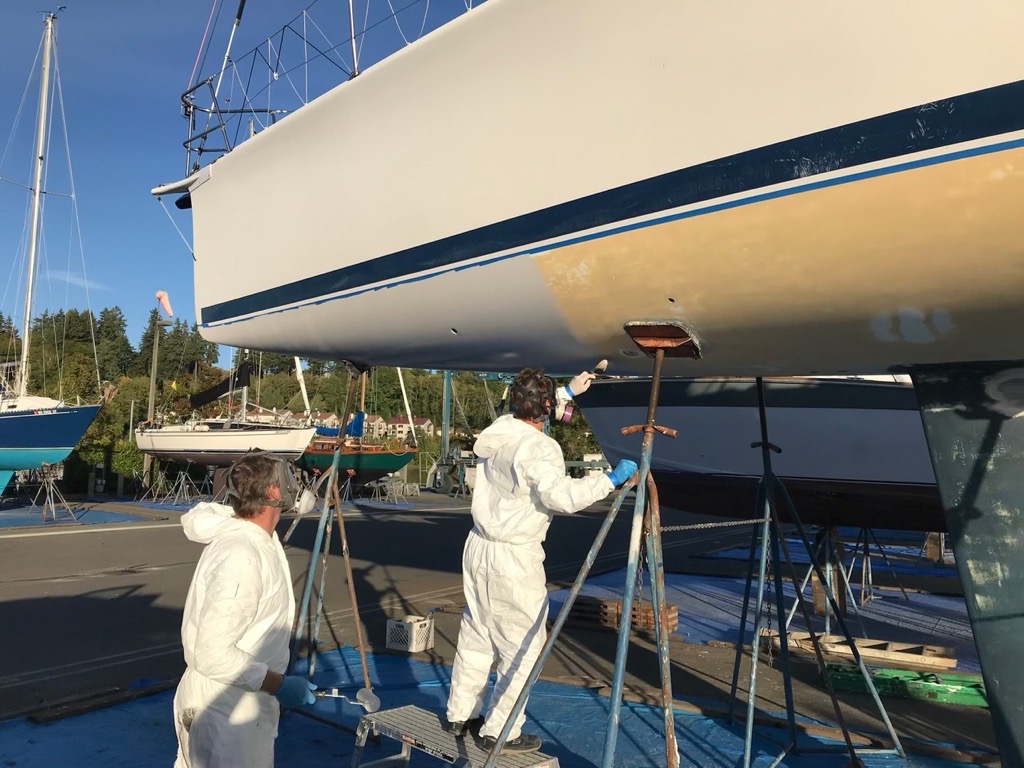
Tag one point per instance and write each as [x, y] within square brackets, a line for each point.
[325, 418]
[398, 426]
[375, 426]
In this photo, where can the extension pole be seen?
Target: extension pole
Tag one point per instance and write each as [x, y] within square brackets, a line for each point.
[348, 571]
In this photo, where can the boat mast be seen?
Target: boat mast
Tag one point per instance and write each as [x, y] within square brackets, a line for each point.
[408, 410]
[44, 88]
[362, 399]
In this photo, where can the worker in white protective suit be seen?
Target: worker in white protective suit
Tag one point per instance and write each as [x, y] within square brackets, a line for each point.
[520, 483]
[237, 624]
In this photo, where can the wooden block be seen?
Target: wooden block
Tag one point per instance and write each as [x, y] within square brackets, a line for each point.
[607, 613]
[877, 652]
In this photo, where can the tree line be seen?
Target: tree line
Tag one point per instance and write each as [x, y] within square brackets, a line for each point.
[66, 364]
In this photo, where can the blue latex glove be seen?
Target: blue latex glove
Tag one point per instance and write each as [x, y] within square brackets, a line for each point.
[295, 691]
[622, 472]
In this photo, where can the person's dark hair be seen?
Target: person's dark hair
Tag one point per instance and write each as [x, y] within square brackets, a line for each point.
[251, 477]
[531, 394]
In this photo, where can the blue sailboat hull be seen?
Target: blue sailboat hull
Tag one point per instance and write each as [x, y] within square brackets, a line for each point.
[30, 439]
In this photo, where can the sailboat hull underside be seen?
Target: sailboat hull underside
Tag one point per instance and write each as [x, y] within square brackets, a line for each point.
[860, 220]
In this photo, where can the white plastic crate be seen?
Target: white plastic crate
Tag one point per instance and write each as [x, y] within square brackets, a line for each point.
[412, 634]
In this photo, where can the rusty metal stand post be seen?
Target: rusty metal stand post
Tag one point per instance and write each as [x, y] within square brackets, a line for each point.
[657, 340]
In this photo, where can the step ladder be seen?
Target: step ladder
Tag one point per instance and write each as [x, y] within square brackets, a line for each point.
[417, 728]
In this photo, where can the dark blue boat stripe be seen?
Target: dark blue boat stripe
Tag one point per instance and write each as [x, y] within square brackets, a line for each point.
[968, 117]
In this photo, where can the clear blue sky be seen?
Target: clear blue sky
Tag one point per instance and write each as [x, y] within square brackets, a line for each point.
[123, 66]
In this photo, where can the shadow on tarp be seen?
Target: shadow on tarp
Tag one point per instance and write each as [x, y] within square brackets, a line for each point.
[903, 558]
[710, 609]
[570, 720]
[28, 516]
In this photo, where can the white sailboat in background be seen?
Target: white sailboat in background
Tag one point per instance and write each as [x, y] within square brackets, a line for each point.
[35, 431]
[220, 442]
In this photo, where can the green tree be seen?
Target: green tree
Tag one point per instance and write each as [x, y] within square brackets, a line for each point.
[113, 350]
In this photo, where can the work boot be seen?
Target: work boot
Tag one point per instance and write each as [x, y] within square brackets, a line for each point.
[525, 742]
[461, 727]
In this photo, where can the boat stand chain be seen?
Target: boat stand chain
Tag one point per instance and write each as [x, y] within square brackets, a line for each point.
[657, 340]
[53, 500]
[768, 543]
[310, 611]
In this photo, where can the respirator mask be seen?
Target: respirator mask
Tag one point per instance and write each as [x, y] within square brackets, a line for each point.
[559, 412]
[291, 498]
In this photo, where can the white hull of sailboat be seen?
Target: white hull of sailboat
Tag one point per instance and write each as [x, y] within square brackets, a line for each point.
[515, 186]
[853, 451]
[220, 447]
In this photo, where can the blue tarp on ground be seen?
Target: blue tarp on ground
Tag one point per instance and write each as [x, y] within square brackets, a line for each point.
[16, 517]
[902, 558]
[571, 721]
[710, 609]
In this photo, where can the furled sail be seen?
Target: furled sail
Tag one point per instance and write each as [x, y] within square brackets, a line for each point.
[238, 378]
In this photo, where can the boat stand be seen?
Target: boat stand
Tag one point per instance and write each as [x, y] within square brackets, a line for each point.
[867, 582]
[819, 546]
[657, 340]
[184, 490]
[769, 544]
[53, 500]
[332, 511]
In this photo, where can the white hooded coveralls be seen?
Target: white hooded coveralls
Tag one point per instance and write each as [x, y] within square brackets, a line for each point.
[520, 483]
[237, 625]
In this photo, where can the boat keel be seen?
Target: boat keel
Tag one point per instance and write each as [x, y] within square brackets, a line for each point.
[973, 418]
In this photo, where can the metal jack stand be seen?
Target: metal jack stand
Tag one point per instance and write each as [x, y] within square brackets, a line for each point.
[867, 582]
[53, 499]
[332, 510]
[658, 340]
[773, 546]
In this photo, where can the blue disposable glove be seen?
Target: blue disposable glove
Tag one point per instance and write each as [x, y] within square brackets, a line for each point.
[295, 691]
[622, 472]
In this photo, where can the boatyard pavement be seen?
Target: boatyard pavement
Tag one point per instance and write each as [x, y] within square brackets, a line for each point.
[88, 608]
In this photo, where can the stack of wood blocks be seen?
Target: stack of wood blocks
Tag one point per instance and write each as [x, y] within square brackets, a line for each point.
[606, 613]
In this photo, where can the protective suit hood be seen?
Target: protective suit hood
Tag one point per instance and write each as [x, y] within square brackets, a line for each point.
[208, 520]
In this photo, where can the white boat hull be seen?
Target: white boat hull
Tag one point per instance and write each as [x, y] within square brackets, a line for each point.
[199, 444]
[514, 187]
[853, 451]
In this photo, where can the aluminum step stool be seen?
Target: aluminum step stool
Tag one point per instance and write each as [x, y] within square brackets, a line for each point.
[417, 728]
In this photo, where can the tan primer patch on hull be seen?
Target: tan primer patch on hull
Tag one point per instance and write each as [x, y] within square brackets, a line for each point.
[826, 280]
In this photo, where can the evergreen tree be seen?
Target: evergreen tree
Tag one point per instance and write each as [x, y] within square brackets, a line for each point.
[113, 350]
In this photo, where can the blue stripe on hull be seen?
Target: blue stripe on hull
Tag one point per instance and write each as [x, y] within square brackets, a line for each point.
[947, 123]
[29, 439]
